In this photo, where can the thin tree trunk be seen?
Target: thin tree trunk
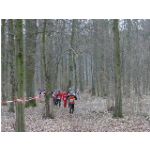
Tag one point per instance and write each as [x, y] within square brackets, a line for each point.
[93, 68]
[11, 48]
[75, 71]
[128, 62]
[81, 73]
[95, 59]
[3, 58]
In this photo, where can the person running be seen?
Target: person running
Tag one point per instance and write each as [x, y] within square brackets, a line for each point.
[58, 97]
[64, 97]
[71, 101]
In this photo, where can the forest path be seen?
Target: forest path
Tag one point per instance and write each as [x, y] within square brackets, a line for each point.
[89, 116]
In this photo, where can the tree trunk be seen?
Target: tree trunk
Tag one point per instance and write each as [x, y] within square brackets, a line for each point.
[72, 60]
[20, 119]
[118, 97]
[75, 71]
[95, 59]
[3, 58]
[48, 104]
[128, 59]
[31, 30]
[93, 68]
[11, 48]
[81, 73]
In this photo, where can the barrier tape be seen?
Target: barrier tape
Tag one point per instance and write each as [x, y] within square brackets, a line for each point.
[37, 98]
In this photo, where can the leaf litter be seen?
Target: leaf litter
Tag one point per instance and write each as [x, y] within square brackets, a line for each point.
[90, 116]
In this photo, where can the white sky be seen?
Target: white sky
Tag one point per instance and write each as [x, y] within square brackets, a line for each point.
[83, 9]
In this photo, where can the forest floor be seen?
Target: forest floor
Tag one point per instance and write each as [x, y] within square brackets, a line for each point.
[89, 116]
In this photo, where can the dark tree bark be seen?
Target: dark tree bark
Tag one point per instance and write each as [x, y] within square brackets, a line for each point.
[118, 97]
[31, 34]
[20, 119]
[11, 49]
[3, 58]
[72, 56]
[81, 73]
[127, 71]
[47, 76]
[95, 58]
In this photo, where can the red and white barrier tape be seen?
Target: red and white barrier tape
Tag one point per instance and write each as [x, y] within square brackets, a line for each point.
[23, 100]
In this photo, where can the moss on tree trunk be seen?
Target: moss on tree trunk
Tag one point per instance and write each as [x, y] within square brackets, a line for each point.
[20, 120]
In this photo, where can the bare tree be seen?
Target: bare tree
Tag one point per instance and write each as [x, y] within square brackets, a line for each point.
[47, 75]
[118, 97]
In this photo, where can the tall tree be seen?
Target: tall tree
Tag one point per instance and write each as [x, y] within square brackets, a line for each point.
[72, 56]
[11, 49]
[47, 76]
[94, 59]
[20, 120]
[118, 96]
[30, 46]
[101, 52]
[129, 40]
[3, 57]
[98, 54]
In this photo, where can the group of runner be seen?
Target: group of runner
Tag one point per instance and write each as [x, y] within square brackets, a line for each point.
[68, 99]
